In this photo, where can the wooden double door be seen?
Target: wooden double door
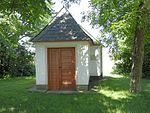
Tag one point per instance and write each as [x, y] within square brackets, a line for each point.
[61, 68]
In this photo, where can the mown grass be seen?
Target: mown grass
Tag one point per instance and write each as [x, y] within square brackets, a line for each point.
[112, 96]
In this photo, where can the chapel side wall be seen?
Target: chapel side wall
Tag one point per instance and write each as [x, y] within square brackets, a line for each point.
[41, 65]
[95, 63]
[82, 80]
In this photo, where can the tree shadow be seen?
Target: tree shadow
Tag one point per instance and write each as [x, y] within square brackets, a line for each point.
[115, 84]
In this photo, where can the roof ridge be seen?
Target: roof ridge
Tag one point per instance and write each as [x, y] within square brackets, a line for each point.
[84, 30]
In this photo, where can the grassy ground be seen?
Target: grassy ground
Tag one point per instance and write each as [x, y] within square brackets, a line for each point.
[112, 96]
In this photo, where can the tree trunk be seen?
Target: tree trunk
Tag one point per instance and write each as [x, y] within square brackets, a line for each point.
[138, 53]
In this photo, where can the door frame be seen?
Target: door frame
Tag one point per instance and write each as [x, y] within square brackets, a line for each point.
[48, 77]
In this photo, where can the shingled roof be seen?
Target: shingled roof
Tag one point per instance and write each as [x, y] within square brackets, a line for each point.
[63, 28]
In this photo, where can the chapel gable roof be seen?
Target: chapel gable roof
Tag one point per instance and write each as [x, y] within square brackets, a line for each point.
[63, 28]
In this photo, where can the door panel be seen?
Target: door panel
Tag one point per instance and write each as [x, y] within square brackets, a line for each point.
[61, 68]
[53, 69]
[67, 68]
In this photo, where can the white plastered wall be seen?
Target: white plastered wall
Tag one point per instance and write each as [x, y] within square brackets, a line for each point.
[95, 68]
[82, 60]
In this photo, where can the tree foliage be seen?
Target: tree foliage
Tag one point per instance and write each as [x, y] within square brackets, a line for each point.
[22, 18]
[117, 17]
[17, 61]
[19, 19]
[123, 61]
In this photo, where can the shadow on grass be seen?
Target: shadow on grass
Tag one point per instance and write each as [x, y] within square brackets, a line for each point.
[115, 84]
[16, 99]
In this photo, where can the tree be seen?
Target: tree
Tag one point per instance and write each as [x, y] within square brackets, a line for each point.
[138, 49]
[19, 19]
[125, 20]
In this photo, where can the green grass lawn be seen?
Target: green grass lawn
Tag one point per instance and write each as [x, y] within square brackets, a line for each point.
[112, 96]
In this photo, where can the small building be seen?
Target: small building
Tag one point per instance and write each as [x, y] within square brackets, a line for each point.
[66, 55]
